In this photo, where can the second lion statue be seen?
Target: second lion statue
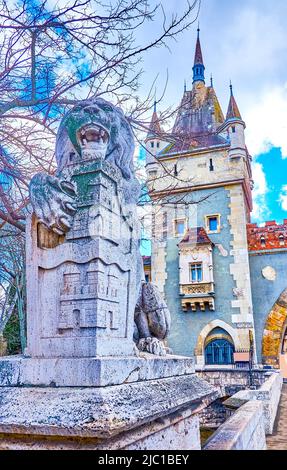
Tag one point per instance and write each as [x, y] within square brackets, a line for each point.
[96, 129]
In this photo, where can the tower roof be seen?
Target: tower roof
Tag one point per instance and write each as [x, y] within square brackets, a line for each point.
[154, 127]
[233, 110]
[198, 59]
[198, 67]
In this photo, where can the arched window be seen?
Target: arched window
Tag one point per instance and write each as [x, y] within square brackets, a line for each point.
[281, 240]
[219, 352]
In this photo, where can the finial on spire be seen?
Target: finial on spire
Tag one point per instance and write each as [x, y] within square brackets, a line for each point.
[184, 86]
[211, 81]
[198, 30]
[231, 88]
[154, 106]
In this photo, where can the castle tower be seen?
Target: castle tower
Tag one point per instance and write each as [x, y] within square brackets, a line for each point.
[235, 127]
[202, 180]
[153, 141]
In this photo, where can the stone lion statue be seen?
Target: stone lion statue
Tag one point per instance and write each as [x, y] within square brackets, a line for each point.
[96, 127]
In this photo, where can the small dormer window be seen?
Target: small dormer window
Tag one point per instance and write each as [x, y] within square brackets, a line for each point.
[262, 241]
[281, 240]
[157, 145]
[152, 145]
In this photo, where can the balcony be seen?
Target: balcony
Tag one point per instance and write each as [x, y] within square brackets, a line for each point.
[197, 296]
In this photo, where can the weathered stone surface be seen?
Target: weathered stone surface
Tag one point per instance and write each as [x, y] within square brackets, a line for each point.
[230, 381]
[269, 394]
[244, 430]
[98, 412]
[90, 372]
[179, 430]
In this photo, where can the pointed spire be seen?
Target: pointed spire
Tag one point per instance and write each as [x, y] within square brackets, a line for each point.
[154, 127]
[198, 59]
[198, 68]
[233, 110]
[184, 86]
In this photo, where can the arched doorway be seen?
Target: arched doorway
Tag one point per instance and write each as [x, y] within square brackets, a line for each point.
[274, 336]
[216, 329]
[219, 348]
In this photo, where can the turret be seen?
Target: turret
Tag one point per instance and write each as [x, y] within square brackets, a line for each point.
[153, 141]
[234, 129]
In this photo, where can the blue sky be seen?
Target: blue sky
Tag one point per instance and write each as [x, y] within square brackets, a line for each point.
[246, 42]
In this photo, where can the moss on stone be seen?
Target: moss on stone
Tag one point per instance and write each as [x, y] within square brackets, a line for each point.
[11, 334]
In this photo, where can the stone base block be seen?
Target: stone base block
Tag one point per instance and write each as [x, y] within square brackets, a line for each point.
[90, 372]
[156, 414]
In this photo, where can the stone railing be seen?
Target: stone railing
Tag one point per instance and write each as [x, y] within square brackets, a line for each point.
[244, 430]
[252, 415]
[269, 393]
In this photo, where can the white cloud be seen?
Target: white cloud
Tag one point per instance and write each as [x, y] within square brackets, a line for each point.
[260, 209]
[267, 122]
[283, 197]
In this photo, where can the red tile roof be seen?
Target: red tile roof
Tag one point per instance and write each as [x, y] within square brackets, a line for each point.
[270, 237]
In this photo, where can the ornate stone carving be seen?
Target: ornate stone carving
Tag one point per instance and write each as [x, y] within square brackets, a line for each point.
[202, 288]
[91, 276]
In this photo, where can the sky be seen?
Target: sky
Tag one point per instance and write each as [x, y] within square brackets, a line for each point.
[244, 41]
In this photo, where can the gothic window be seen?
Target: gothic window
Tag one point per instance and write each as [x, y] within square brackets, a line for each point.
[152, 145]
[233, 129]
[195, 270]
[157, 145]
[211, 167]
[219, 352]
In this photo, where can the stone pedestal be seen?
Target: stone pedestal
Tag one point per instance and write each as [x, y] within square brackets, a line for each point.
[147, 414]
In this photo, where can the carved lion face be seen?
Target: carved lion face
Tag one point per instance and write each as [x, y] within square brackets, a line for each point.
[96, 129]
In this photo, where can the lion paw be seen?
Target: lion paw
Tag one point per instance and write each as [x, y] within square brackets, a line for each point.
[152, 346]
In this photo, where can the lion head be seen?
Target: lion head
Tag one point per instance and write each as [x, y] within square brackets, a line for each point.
[98, 127]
